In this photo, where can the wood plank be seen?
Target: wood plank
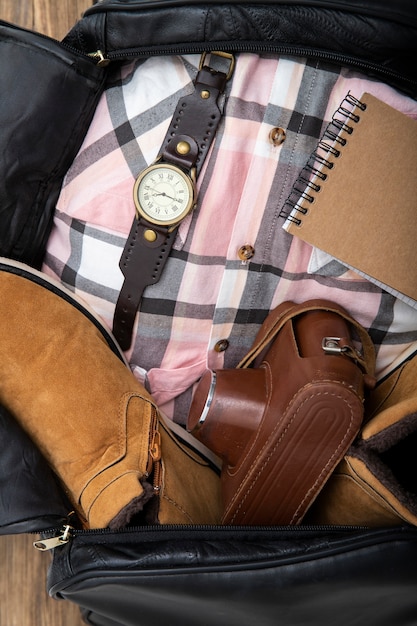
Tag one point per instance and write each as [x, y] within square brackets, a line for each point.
[23, 597]
[20, 13]
[50, 17]
[55, 18]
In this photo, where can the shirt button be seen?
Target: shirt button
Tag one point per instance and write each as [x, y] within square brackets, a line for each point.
[277, 136]
[221, 345]
[246, 252]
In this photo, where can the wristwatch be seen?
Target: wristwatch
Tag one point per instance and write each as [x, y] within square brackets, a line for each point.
[165, 192]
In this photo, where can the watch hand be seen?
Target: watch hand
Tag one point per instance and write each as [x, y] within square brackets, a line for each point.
[163, 194]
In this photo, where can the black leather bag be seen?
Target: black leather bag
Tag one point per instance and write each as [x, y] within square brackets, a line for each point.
[240, 577]
[223, 576]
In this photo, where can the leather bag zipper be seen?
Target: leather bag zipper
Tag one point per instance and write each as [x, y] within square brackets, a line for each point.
[341, 535]
[102, 59]
[68, 533]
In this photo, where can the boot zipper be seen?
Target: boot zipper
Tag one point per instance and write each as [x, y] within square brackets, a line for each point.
[154, 468]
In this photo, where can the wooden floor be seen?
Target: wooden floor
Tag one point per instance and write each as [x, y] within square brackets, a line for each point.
[50, 17]
[23, 597]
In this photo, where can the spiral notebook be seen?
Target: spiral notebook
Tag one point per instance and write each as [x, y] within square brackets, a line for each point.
[356, 199]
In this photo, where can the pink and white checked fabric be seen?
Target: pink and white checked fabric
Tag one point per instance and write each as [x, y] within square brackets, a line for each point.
[207, 293]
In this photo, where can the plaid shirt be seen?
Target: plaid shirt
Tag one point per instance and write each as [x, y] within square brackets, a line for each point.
[209, 304]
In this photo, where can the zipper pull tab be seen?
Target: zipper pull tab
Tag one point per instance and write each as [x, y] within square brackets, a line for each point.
[53, 542]
[155, 447]
[100, 58]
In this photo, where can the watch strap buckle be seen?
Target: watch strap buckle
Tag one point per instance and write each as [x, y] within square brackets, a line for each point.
[223, 55]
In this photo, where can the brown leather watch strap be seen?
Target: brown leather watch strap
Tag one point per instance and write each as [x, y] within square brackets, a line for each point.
[195, 121]
[142, 266]
[197, 116]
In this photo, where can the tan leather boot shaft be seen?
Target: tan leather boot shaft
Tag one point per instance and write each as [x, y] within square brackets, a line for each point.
[80, 404]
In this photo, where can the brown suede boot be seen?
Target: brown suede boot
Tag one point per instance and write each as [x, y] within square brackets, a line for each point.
[376, 484]
[96, 425]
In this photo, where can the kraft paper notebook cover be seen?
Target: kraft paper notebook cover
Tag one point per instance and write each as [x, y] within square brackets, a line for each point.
[356, 199]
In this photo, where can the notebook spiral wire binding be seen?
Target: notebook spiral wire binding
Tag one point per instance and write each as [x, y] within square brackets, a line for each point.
[309, 180]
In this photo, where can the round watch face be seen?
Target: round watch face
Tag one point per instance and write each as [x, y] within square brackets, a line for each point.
[163, 194]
